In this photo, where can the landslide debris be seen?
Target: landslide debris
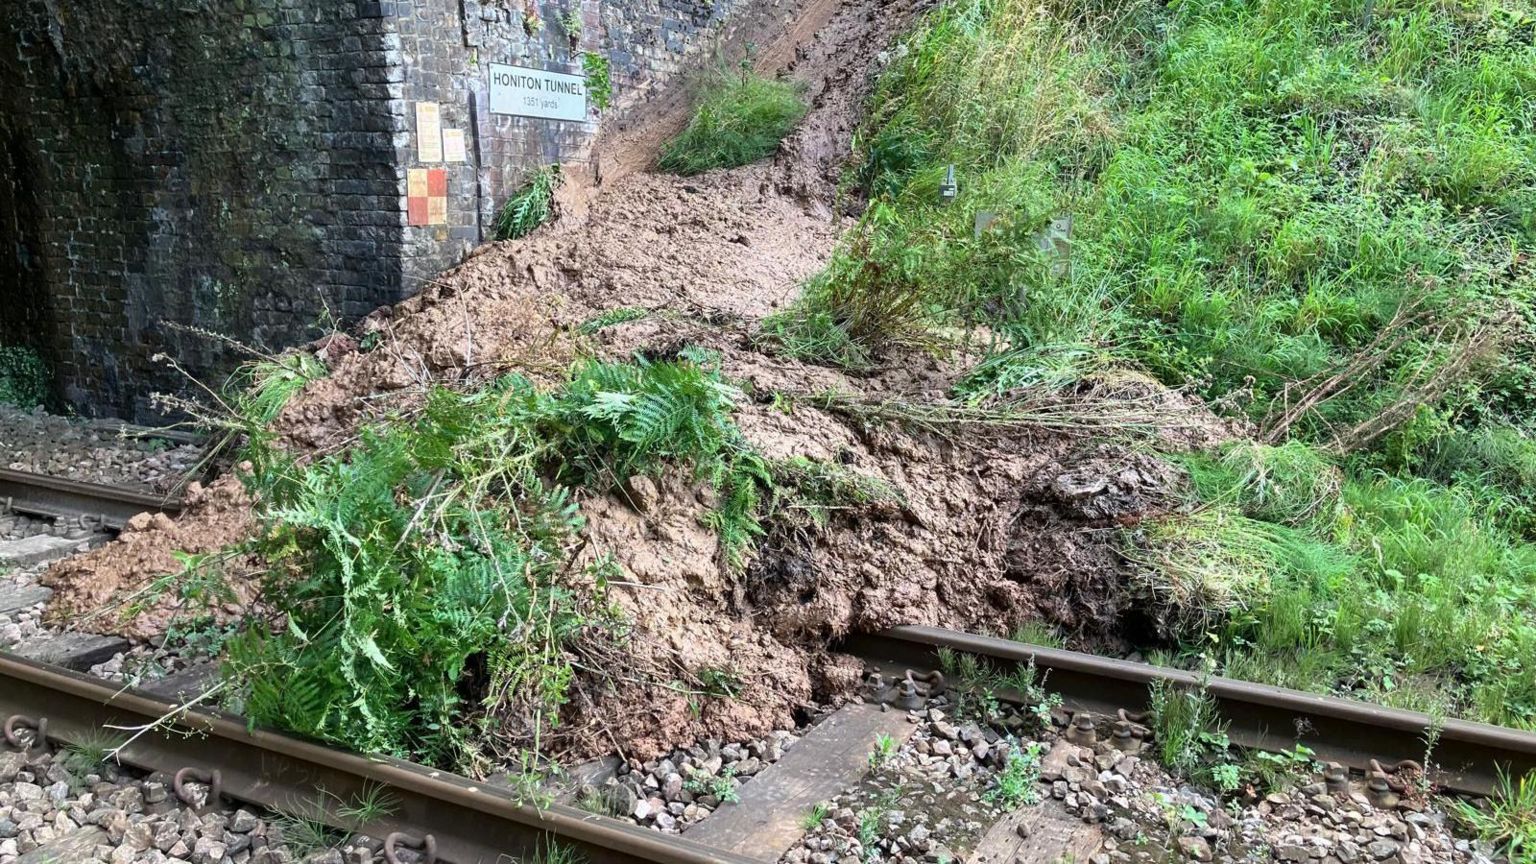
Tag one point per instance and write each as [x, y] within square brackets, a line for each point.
[991, 525]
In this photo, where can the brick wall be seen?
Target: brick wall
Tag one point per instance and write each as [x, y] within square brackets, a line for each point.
[242, 166]
[222, 166]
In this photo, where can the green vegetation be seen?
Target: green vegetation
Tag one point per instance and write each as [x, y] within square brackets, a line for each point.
[610, 318]
[599, 80]
[1191, 740]
[740, 118]
[373, 803]
[443, 541]
[1316, 216]
[813, 819]
[885, 748]
[1507, 819]
[1014, 785]
[722, 786]
[24, 378]
[86, 753]
[530, 206]
[1190, 737]
[977, 688]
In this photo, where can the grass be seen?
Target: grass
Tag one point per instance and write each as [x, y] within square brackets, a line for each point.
[304, 830]
[1391, 588]
[1507, 819]
[739, 118]
[977, 688]
[90, 750]
[373, 803]
[815, 817]
[1186, 729]
[530, 206]
[1317, 220]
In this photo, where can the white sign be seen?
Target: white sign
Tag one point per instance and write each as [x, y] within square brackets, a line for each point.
[536, 93]
[453, 145]
[429, 132]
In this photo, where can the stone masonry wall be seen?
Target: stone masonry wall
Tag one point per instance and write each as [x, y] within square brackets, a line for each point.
[224, 165]
[241, 166]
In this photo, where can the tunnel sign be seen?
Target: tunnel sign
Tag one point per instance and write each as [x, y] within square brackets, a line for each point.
[536, 93]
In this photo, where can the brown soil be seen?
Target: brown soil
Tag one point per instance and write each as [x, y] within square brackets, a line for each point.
[993, 530]
[94, 590]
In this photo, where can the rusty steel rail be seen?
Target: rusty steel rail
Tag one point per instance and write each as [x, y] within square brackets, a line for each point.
[468, 822]
[40, 494]
[1467, 756]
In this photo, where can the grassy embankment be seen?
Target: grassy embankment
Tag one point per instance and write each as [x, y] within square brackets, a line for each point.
[1318, 216]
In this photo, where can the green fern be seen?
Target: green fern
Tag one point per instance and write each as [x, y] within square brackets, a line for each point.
[529, 207]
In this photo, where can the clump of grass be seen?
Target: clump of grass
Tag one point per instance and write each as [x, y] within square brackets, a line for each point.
[1038, 633]
[91, 750]
[1507, 819]
[1290, 484]
[530, 206]
[302, 828]
[815, 817]
[1203, 567]
[1186, 727]
[24, 378]
[739, 118]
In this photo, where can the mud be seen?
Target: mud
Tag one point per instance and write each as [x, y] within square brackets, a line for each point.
[991, 531]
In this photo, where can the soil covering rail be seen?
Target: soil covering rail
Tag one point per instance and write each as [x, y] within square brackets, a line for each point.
[469, 822]
[1467, 756]
[42, 495]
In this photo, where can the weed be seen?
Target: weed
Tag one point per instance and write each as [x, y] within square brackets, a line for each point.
[604, 801]
[553, 852]
[1014, 785]
[870, 825]
[303, 830]
[975, 687]
[25, 380]
[1507, 819]
[885, 748]
[610, 318]
[1191, 739]
[530, 206]
[570, 22]
[719, 683]
[1038, 633]
[90, 750]
[722, 786]
[373, 803]
[1278, 770]
[739, 118]
[599, 79]
[816, 817]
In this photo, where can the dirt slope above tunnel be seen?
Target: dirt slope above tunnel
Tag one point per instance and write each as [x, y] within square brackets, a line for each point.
[991, 530]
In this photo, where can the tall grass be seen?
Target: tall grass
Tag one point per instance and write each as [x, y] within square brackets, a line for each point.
[1318, 215]
[739, 118]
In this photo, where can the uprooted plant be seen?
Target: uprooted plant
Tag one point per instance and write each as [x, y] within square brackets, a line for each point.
[427, 581]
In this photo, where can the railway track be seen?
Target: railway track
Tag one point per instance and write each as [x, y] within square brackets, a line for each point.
[466, 821]
[88, 503]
